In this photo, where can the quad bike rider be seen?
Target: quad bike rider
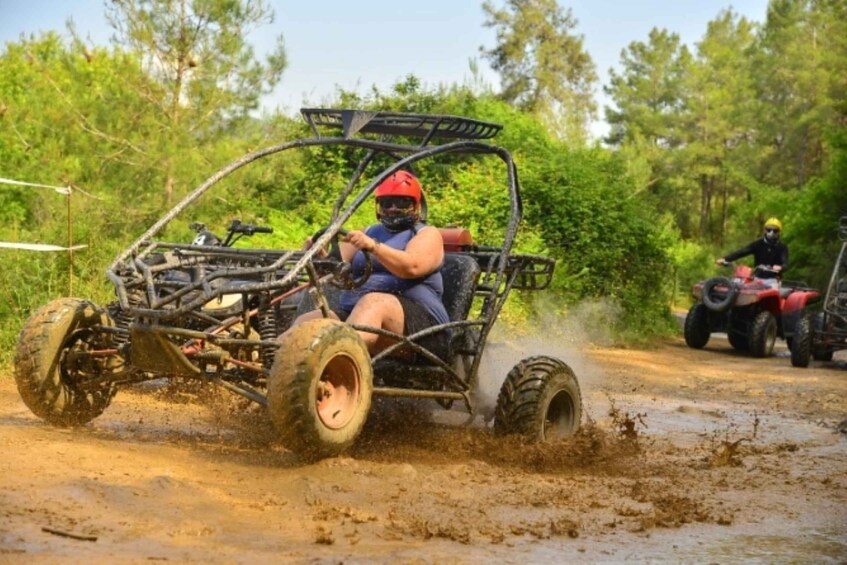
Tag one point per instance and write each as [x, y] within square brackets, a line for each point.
[212, 312]
[818, 336]
[752, 307]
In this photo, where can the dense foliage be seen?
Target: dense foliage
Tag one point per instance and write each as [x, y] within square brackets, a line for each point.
[706, 142]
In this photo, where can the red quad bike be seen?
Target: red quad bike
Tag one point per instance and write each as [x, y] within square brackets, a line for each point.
[748, 309]
[821, 334]
[211, 310]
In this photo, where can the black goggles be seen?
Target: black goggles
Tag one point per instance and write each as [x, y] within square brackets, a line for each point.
[396, 202]
[771, 230]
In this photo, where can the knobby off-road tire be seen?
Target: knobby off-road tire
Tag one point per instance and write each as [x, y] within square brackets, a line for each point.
[820, 352]
[801, 346]
[762, 334]
[320, 388]
[540, 399]
[45, 373]
[697, 330]
[715, 300]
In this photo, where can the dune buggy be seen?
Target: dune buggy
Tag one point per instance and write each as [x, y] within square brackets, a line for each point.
[212, 312]
[752, 312]
[821, 334]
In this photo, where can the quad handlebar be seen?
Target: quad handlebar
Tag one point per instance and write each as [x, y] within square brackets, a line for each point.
[234, 232]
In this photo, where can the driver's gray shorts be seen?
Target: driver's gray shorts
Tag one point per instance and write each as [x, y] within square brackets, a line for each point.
[416, 319]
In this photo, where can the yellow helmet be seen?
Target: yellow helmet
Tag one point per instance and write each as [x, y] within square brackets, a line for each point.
[774, 223]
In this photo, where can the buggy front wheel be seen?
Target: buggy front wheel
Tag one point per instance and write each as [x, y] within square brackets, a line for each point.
[801, 346]
[320, 387]
[540, 400]
[54, 360]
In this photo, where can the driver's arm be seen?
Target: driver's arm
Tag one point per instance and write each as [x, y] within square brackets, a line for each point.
[423, 255]
[743, 252]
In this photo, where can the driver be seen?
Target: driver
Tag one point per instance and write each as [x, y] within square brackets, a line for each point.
[403, 294]
[768, 252]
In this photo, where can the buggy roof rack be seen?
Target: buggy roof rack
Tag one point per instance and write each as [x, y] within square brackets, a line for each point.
[426, 126]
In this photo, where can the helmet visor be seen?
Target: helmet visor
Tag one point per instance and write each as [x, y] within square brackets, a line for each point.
[396, 204]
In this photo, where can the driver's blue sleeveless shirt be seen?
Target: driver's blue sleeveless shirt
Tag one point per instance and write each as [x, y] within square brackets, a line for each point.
[426, 291]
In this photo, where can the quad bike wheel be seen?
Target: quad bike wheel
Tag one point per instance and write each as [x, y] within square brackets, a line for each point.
[50, 362]
[718, 300]
[763, 334]
[540, 399]
[320, 387]
[821, 352]
[801, 346]
[697, 331]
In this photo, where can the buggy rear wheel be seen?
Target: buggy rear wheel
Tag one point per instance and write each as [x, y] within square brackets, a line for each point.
[821, 352]
[763, 334]
[697, 327]
[320, 387]
[540, 400]
[801, 346]
[51, 362]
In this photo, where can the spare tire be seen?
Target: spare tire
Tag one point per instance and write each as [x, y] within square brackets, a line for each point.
[718, 300]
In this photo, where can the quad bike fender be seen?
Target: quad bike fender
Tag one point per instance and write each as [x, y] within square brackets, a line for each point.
[793, 308]
[799, 299]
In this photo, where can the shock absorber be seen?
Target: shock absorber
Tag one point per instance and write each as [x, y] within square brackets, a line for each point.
[266, 324]
[122, 318]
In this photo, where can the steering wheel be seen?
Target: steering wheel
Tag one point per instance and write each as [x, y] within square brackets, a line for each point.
[342, 276]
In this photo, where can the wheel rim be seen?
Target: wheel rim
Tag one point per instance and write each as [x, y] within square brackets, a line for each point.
[559, 418]
[338, 392]
[74, 364]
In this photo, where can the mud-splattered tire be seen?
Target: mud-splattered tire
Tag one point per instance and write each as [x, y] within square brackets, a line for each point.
[697, 327]
[763, 334]
[45, 371]
[540, 399]
[715, 300]
[801, 346]
[821, 352]
[320, 388]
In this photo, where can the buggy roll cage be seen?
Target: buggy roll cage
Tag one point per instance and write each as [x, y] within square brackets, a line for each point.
[835, 301]
[225, 271]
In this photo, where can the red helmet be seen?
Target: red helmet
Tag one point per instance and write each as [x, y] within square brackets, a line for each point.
[401, 183]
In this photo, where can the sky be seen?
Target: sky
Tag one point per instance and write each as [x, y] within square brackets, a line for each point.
[355, 44]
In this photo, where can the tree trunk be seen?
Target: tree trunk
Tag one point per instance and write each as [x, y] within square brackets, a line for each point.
[724, 211]
[705, 204]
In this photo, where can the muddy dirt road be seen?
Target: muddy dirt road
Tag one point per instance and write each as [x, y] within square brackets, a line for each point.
[692, 456]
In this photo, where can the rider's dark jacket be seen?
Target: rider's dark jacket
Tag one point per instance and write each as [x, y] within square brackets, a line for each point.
[764, 253]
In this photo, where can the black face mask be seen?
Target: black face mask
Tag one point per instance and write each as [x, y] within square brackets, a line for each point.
[771, 235]
[397, 213]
